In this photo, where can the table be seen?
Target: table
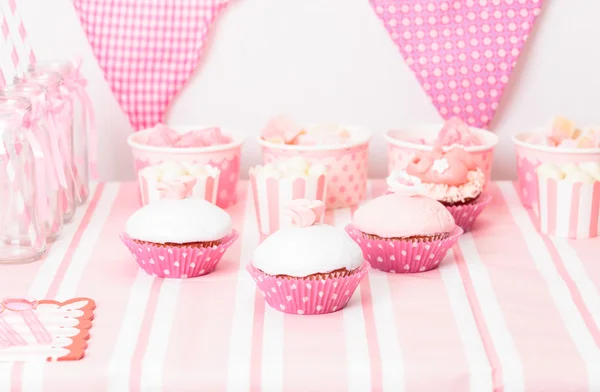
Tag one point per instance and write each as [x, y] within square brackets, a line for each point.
[507, 310]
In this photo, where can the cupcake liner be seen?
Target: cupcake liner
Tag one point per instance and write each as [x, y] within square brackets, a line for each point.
[403, 256]
[271, 196]
[465, 215]
[177, 262]
[309, 295]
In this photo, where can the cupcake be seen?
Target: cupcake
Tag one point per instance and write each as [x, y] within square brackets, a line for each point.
[404, 233]
[450, 177]
[179, 238]
[310, 268]
[276, 184]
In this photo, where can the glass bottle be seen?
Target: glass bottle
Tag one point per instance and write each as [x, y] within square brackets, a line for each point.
[22, 236]
[81, 109]
[61, 118]
[49, 183]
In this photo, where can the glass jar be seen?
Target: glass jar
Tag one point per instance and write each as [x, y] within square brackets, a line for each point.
[62, 125]
[49, 183]
[22, 235]
[80, 105]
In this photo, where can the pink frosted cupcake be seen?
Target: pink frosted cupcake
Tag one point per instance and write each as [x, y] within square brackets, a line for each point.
[179, 238]
[450, 177]
[403, 234]
[310, 268]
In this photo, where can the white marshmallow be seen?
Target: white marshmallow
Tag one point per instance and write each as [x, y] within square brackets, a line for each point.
[548, 170]
[317, 169]
[569, 168]
[580, 176]
[591, 168]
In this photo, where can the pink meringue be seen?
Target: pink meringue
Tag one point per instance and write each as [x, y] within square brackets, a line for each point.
[163, 136]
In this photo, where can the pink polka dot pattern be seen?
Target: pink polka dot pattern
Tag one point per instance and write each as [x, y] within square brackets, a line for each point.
[399, 157]
[346, 171]
[461, 51]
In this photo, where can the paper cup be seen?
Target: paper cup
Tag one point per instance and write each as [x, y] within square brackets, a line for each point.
[465, 215]
[306, 296]
[272, 195]
[401, 146]
[206, 186]
[346, 165]
[530, 156]
[568, 209]
[226, 157]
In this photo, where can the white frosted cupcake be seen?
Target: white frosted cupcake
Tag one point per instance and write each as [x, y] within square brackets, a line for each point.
[179, 238]
[310, 268]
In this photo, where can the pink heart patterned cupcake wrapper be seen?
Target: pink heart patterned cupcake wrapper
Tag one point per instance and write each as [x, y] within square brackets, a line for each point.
[465, 215]
[403, 256]
[178, 262]
[308, 296]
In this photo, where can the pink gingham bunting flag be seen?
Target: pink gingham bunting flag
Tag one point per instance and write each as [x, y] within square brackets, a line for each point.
[147, 49]
[461, 51]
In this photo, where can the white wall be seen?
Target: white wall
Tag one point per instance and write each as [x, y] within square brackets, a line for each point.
[331, 60]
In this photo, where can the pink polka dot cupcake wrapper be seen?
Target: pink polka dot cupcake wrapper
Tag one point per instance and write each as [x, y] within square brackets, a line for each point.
[465, 215]
[307, 296]
[398, 256]
[177, 262]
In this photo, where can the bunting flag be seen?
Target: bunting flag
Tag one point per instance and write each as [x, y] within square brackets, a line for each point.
[16, 53]
[461, 51]
[147, 49]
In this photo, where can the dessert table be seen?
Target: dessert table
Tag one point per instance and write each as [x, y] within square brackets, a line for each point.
[508, 310]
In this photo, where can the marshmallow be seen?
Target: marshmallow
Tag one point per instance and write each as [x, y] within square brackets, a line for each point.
[580, 176]
[548, 170]
[171, 171]
[591, 168]
[290, 168]
[569, 168]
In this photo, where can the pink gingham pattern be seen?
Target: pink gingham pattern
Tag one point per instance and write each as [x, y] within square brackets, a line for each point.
[16, 53]
[462, 51]
[147, 49]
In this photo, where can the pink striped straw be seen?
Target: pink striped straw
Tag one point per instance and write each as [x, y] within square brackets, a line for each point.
[25, 307]
[8, 332]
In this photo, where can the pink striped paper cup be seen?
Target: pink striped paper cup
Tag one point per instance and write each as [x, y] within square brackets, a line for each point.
[310, 295]
[272, 195]
[206, 186]
[530, 156]
[465, 215]
[178, 262]
[346, 165]
[402, 257]
[568, 209]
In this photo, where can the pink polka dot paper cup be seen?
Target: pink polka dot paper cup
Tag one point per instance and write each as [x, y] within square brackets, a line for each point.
[178, 261]
[466, 214]
[530, 156]
[403, 256]
[225, 157]
[346, 165]
[402, 144]
[311, 295]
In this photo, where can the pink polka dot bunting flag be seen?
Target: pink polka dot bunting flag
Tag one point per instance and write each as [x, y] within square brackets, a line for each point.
[461, 51]
[147, 49]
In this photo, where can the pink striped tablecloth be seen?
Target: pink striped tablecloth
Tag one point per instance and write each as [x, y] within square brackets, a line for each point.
[508, 310]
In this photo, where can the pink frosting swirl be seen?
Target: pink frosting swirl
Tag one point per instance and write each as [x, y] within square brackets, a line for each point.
[178, 189]
[436, 166]
[305, 212]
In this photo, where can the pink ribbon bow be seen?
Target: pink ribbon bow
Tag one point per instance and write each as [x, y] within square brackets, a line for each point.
[306, 212]
[77, 83]
[176, 190]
